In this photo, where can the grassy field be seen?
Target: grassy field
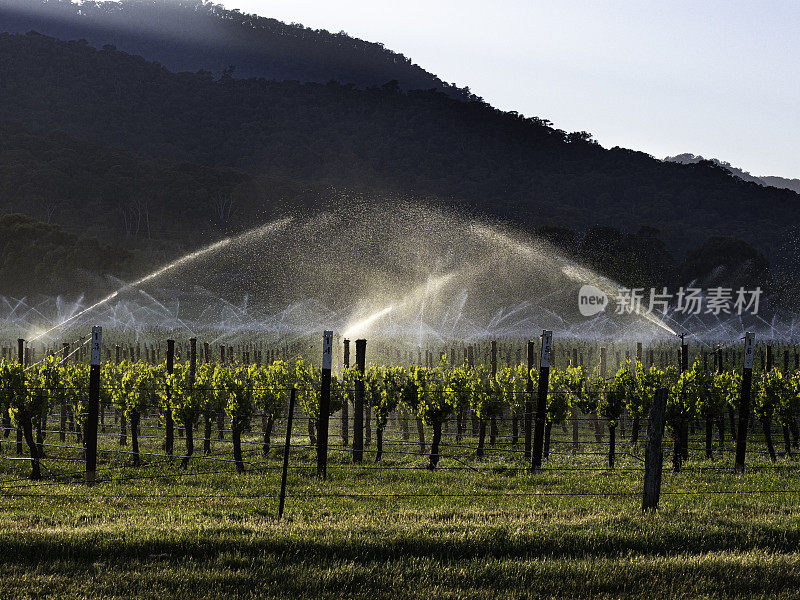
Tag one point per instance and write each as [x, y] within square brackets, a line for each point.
[473, 529]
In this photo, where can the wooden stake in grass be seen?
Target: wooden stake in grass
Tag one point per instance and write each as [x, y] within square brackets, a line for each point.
[541, 404]
[286, 448]
[346, 400]
[192, 373]
[493, 423]
[684, 422]
[358, 415]
[169, 427]
[90, 435]
[654, 454]
[744, 402]
[324, 404]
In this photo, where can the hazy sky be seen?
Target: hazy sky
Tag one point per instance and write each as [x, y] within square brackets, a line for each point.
[717, 78]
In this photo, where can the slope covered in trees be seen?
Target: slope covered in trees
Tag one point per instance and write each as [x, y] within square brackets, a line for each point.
[42, 258]
[379, 141]
[189, 35]
[120, 195]
[771, 180]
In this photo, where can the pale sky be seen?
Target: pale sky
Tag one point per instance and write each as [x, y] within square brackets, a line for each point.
[711, 77]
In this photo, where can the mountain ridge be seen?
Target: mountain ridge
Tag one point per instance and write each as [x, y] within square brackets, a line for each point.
[192, 35]
[785, 183]
[381, 141]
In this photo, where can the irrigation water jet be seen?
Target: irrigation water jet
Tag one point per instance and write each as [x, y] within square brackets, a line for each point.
[395, 270]
[184, 260]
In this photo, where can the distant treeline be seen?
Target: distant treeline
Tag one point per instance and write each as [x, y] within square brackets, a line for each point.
[37, 258]
[641, 259]
[778, 182]
[126, 196]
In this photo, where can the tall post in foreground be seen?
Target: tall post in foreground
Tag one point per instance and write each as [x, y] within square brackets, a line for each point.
[192, 372]
[287, 447]
[169, 426]
[493, 423]
[190, 435]
[358, 416]
[654, 454]
[744, 402]
[20, 433]
[541, 404]
[90, 435]
[346, 400]
[529, 401]
[324, 404]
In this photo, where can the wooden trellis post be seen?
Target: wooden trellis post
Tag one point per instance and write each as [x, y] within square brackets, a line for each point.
[654, 454]
[324, 404]
[90, 435]
[744, 402]
[541, 404]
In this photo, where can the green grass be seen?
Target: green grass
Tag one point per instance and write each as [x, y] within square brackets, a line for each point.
[484, 531]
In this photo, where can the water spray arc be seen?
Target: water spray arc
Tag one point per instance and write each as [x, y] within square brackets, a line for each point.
[383, 269]
[530, 256]
[182, 261]
[419, 293]
[569, 269]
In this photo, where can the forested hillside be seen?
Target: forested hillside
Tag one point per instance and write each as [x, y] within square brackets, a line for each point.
[189, 35]
[39, 258]
[160, 209]
[379, 141]
[774, 181]
[124, 196]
